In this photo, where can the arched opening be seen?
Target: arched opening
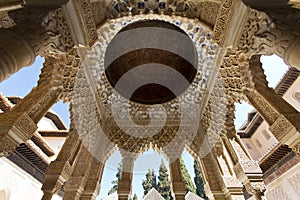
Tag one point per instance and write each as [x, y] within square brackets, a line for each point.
[110, 175]
[243, 114]
[195, 171]
[274, 68]
[147, 176]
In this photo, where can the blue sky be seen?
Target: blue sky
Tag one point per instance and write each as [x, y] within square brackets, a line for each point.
[274, 68]
[22, 82]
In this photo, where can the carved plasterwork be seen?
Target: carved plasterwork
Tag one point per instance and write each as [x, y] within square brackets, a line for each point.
[100, 12]
[233, 76]
[257, 189]
[63, 29]
[250, 166]
[214, 177]
[206, 11]
[239, 150]
[100, 92]
[295, 3]
[14, 130]
[7, 146]
[23, 125]
[87, 20]
[44, 29]
[60, 71]
[268, 112]
[232, 182]
[296, 149]
[5, 21]
[277, 193]
[281, 127]
[261, 36]
[224, 18]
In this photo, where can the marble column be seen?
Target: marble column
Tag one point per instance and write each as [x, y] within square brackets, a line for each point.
[16, 52]
[60, 170]
[92, 187]
[214, 177]
[125, 183]
[233, 187]
[176, 177]
[75, 185]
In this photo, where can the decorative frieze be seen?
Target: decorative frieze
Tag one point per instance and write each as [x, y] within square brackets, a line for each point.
[87, 20]
[7, 146]
[281, 127]
[224, 18]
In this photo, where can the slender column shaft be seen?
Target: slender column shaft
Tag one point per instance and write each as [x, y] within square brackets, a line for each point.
[125, 183]
[60, 170]
[178, 184]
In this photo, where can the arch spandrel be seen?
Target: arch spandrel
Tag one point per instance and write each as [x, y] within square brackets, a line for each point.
[205, 11]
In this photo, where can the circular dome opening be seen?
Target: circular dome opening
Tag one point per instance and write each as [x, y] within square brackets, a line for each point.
[151, 62]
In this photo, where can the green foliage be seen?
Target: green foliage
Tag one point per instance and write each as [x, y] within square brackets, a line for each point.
[135, 197]
[187, 178]
[164, 184]
[116, 181]
[150, 181]
[199, 181]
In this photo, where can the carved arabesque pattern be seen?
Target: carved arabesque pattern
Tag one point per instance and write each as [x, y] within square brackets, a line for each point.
[224, 16]
[45, 29]
[261, 36]
[5, 21]
[205, 11]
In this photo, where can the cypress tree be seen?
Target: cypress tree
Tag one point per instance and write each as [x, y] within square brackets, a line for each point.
[187, 178]
[116, 181]
[150, 181]
[199, 181]
[135, 197]
[164, 183]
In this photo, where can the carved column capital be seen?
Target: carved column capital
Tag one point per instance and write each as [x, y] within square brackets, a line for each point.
[254, 32]
[250, 174]
[37, 31]
[257, 189]
[218, 148]
[295, 3]
[45, 28]
[14, 130]
[296, 149]
[7, 146]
